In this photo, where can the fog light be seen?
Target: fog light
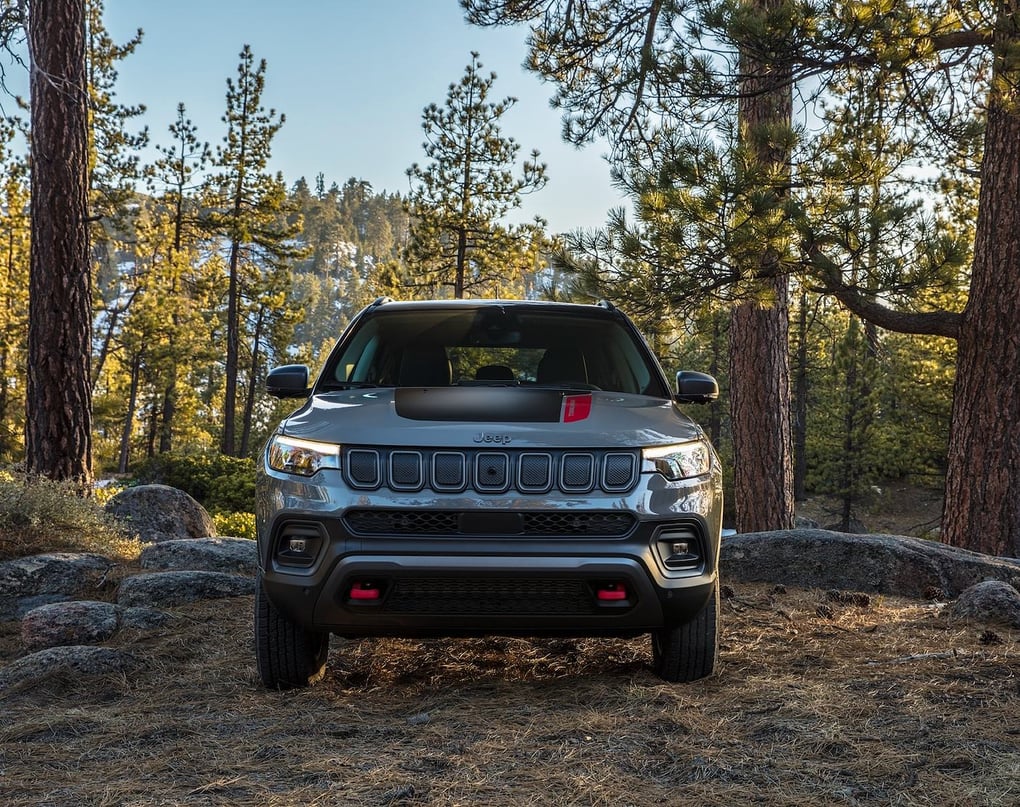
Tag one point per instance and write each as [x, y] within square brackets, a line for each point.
[679, 552]
[299, 545]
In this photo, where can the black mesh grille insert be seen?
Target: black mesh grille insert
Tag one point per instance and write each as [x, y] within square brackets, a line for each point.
[577, 472]
[496, 596]
[492, 472]
[448, 471]
[402, 522]
[535, 472]
[578, 524]
[363, 467]
[618, 471]
[553, 523]
[405, 470]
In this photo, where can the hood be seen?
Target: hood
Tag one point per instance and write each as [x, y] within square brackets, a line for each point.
[474, 416]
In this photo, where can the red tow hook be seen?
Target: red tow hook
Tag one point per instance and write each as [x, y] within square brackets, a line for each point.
[611, 592]
[364, 591]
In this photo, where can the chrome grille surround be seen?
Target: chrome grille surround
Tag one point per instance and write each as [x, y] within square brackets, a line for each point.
[491, 472]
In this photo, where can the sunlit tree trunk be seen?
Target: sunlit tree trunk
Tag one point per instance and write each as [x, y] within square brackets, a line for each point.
[59, 400]
[982, 510]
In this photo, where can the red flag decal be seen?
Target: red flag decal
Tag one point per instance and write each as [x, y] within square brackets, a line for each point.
[575, 407]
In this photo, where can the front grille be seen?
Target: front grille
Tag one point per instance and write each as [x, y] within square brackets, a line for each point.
[496, 596]
[491, 472]
[453, 523]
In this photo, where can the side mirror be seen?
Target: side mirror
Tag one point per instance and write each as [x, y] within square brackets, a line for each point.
[288, 381]
[693, 387]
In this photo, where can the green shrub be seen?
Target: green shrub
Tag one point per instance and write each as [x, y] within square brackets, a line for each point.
[219, 483]
[38, 515]
[236, 525]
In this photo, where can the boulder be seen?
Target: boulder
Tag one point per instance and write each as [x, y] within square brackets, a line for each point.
[160, 513]
[75, 662]
[235, 555]
[889, 564]
[165, 589]
[990, 601]
[83, 622]
[56, 575]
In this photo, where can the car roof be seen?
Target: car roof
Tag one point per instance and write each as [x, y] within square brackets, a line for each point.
[432, 305]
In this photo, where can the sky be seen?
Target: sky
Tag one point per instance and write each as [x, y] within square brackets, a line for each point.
[352, 78]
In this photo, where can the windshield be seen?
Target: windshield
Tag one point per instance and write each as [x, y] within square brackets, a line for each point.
[494, 346]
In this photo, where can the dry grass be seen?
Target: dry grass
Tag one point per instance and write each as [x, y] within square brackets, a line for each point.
[817, 702]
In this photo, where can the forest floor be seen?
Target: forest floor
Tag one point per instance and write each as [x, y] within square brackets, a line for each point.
[898, 508]
[816, 702]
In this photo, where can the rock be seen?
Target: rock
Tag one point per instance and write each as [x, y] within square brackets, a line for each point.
[237, 555]
[160, 513]
[990, 601]
[83, 622]
[29, 603]
[56, 575]
[75, 662]
[164, 589]
[889, 564]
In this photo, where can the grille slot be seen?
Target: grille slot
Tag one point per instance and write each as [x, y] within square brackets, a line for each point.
[618, 472]
[406, 470]
[534, 473]
[448, 471]
[577, 473]
[495, 596]
[363, 468]
[492, 472]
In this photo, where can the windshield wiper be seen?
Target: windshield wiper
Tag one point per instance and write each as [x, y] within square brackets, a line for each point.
[337, 386]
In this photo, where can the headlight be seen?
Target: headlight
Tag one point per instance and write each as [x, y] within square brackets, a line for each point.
[678, 461]
[301, 457]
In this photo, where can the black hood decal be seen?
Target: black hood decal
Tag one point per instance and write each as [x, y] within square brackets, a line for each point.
[481, 404]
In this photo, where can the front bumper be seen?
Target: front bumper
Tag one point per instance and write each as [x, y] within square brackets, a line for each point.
[390, 567]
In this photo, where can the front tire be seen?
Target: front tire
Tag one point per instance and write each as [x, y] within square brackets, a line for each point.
[288, 655]
[689, 652]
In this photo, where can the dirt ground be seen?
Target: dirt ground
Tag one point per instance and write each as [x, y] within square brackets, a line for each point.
[818, 702]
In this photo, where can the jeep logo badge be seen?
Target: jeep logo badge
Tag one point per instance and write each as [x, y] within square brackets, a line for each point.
[485, 437]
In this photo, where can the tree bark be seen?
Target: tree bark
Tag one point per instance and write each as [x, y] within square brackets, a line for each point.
[982, 509]
[59, 397]
[760, 414]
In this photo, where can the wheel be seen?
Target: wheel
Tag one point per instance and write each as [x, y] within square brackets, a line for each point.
[687, 652]
[288, 656]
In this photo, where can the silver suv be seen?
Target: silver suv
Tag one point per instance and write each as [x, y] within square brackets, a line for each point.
[473, 467]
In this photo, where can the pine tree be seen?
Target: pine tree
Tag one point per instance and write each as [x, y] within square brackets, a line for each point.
[178, 176]
[458, 200]
[250, 214]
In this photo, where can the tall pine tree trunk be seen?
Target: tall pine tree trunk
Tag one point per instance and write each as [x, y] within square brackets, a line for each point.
[982, 510]
[759, 329]
[59, 399]
[232, 361]
[253, 383]
[129, 416]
